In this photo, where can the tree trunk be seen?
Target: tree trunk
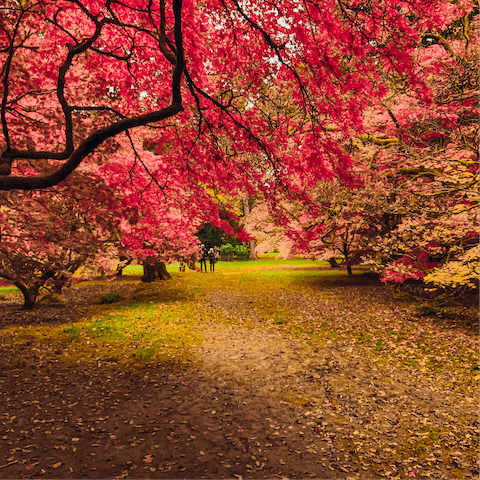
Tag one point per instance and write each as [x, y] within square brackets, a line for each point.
[162, 271]
[252, 255]
[333, 263]
[29, 295]
[57, 286]
[119, 271]
[345, 254]
[59, 281]
[252, 243]
[148, 272]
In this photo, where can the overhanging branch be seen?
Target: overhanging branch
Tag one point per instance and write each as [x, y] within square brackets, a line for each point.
[75, 155]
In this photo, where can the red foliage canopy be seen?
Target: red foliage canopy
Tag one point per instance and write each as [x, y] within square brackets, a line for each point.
[205, 75]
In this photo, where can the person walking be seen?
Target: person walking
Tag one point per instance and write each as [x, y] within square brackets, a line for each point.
[203, 258]
[211, 256]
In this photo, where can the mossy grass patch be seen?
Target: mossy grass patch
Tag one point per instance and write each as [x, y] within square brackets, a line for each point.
[152, 326]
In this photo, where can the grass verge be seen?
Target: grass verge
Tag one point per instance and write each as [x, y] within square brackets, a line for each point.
[154, 325]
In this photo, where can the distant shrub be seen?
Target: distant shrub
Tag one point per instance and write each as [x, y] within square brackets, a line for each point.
[241, 250]
[227, 249]
[229, 252]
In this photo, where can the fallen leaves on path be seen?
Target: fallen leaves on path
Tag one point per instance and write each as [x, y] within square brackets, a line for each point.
[283, 385]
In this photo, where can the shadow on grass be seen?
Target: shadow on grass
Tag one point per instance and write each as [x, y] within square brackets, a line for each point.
[334, 279]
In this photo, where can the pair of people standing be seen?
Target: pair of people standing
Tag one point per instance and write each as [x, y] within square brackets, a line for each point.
[212, 254]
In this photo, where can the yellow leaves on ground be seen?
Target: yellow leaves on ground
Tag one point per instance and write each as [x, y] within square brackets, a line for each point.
[132, 332]
[158, 322]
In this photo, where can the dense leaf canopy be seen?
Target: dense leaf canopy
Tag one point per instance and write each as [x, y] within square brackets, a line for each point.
[174, 106]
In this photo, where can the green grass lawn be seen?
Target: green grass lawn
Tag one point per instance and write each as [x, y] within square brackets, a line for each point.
[158, 322]
[9, 289]
[265, 261]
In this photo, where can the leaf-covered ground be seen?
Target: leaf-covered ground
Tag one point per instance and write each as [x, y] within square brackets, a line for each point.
[253, 372]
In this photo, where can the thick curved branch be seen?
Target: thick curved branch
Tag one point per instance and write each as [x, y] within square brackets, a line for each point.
[385, 142]
[62, 71]
[163, 39]
[435, 38]
[84, 149]
[87, 146]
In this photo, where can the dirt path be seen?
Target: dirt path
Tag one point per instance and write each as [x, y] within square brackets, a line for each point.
[365, 414]
[257, 402]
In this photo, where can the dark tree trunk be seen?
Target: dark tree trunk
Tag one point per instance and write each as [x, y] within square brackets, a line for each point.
[57, 286]
[345, 254]
[333, 263]
[162, 271]
[29, 295]
[191, 265]
[148, 272]
[119, 271]
[60, 281]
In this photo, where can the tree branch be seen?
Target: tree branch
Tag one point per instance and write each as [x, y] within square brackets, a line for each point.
[74, 156]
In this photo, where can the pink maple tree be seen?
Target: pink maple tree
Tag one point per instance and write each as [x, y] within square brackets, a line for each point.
[94, 219]
[429, 152]
[202, 80]
[75, 74]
